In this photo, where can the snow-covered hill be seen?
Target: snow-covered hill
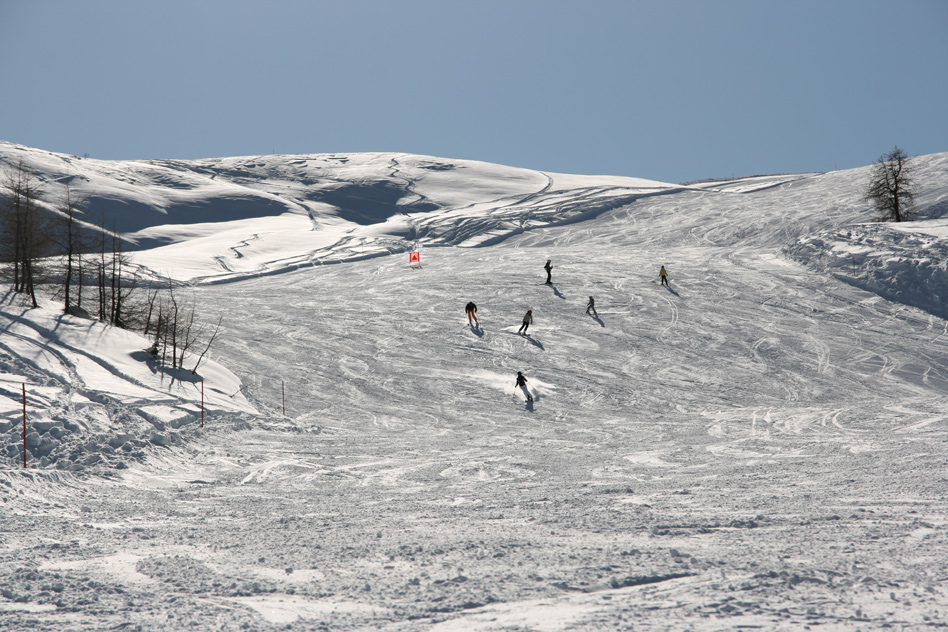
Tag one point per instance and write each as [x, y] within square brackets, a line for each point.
[231, 217]
[759, 445]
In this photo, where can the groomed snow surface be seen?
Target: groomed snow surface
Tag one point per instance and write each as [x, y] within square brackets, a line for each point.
[760, 446]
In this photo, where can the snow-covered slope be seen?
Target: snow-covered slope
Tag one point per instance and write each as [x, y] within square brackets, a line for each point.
[232, 217]
[906, 262]
[94, 396]
[758, 445]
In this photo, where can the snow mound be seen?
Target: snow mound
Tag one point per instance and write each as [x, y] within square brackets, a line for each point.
[94, 398]
[904, 263]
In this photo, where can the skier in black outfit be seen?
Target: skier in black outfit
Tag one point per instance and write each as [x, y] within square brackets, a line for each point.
[549, 271]
[471, 310]
[522, 383]
[591, 306]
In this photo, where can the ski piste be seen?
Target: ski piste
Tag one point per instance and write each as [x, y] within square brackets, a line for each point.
[718, 417]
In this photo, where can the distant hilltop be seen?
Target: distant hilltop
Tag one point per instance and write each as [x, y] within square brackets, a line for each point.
[361, 189]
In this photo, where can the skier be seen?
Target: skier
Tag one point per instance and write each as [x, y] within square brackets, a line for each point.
[522, 383]
[663, 276]
[527, 321]
[471, 310]
[591, 306]
[549, 271]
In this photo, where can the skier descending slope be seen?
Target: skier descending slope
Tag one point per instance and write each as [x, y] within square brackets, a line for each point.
[522, 383]
[471, 310]
[591, 306]
[549, 271]
[527, 321]
[663, 275]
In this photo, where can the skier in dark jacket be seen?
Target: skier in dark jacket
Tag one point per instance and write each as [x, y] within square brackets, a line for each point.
[471, 310]
[522, 383]
[527, 321]
[549, 271]
[591, 306]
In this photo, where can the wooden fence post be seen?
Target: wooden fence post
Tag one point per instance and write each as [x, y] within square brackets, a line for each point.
[24, 425]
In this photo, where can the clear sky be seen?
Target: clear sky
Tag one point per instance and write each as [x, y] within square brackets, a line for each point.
[673, 90]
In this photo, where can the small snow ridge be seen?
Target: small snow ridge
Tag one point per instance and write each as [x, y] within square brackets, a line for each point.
[287, 608]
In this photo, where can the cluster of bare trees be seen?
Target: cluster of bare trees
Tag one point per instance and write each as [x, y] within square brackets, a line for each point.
[24, 229]
[171, 322]
[92, 262]
[41, 244]
[87, 267]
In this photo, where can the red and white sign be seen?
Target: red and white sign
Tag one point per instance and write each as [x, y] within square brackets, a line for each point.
[414, 257]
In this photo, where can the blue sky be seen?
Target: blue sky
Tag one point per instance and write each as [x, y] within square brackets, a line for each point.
[674, 90]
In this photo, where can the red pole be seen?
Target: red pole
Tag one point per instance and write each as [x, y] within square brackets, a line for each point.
[24, 425]
[202, 403]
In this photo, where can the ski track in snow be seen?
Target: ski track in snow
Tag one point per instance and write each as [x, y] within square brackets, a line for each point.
[759, 446]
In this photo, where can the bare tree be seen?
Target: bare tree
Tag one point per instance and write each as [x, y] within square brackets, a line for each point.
[101, 267]
[891, 190]
[112, 285]
[187, 335]
[122, 285]
[209, 342]
[73, 246]
[151, 300]
[173, 329]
